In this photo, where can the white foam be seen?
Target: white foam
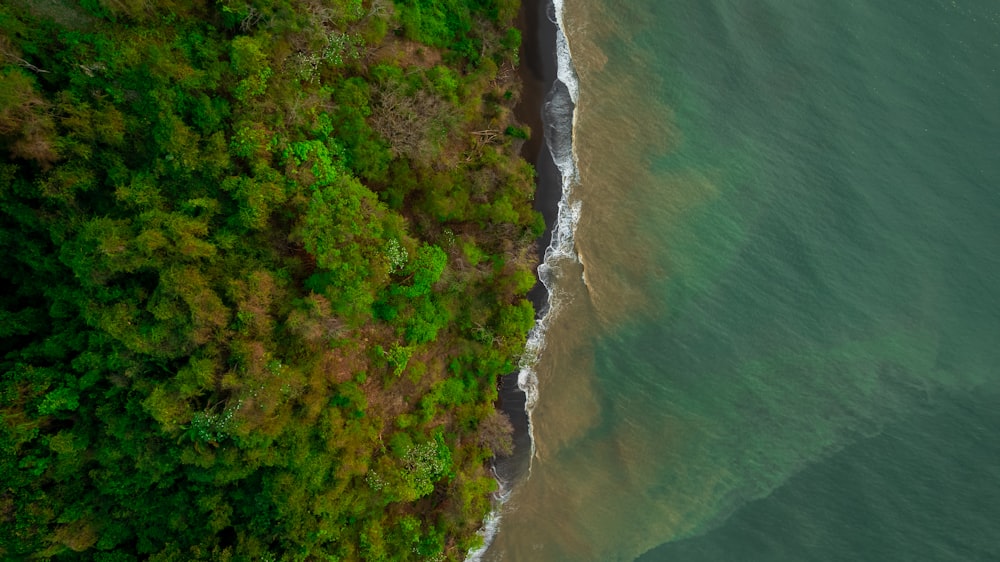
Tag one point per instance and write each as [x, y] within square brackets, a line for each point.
[565, 71]
[559, 139]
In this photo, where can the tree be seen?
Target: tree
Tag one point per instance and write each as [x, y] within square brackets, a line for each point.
[25, 126]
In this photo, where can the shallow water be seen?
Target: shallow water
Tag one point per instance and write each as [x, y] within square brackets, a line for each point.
[778, 336]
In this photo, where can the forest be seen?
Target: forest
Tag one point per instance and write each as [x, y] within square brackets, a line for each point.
[262, 266]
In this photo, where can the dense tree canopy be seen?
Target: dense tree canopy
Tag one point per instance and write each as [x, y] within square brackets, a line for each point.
[260, 270]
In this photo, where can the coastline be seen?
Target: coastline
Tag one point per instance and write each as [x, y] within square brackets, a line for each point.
[538, 73]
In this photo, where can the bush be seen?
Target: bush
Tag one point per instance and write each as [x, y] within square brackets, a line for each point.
[516, 132]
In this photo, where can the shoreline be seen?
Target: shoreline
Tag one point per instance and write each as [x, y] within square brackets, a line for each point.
[537, 72]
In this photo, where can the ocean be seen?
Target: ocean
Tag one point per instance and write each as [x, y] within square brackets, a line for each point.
[773, 329]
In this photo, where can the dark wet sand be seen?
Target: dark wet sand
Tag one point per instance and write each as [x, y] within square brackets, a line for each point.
[537, 73]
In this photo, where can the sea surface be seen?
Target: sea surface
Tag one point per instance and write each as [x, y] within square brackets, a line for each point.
[774, 325]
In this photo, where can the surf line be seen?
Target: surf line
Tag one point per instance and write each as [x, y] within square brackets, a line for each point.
[558, 120]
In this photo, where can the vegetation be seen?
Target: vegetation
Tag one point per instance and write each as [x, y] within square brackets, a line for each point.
[262, 263]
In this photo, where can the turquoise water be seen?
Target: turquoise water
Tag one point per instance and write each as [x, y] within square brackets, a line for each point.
[783, 342]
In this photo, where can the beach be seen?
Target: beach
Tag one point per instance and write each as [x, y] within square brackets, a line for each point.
[537, 73]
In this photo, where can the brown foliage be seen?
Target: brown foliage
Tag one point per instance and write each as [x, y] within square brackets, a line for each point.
[314, 323]
[415, 125]
[404, 52]
[77, 536]
[25, 123]
[496, 433]
[254, 300]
